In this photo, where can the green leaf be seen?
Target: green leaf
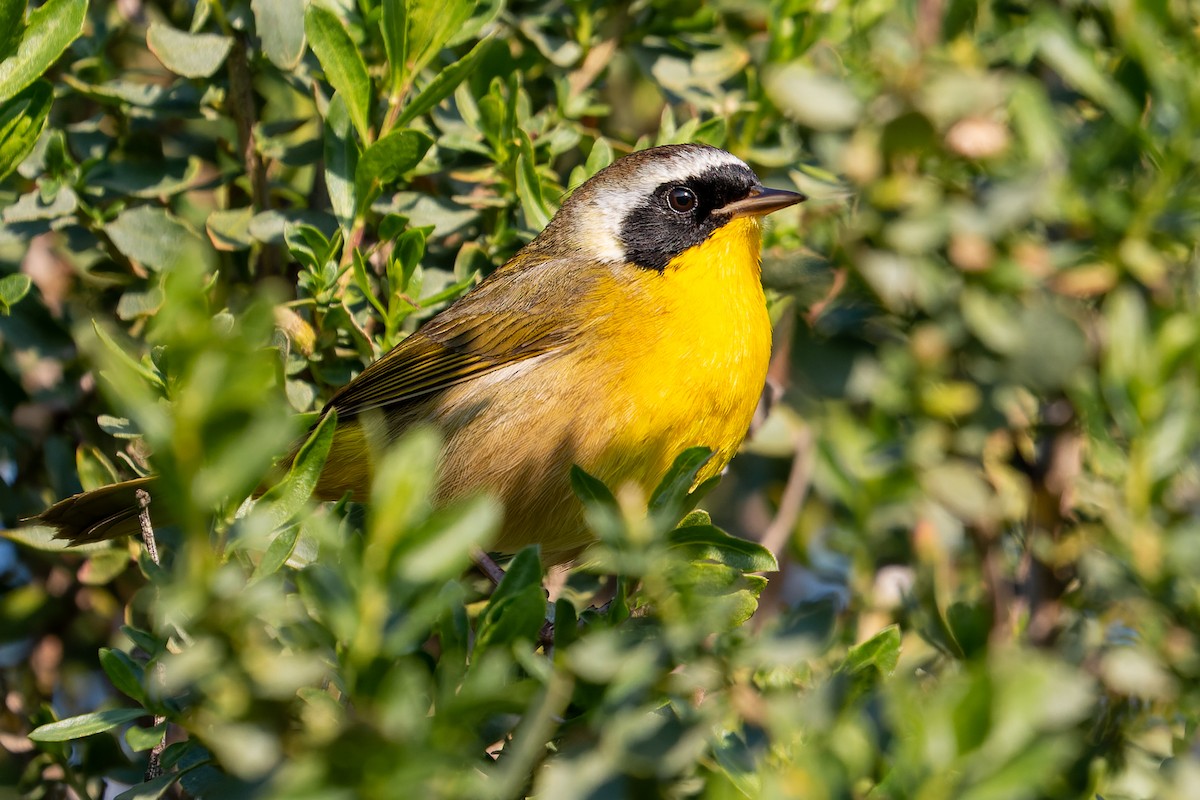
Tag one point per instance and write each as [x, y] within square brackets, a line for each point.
[727, 596]
[143, 739]
[566, 624]
[148, 179]
[444, 83]
[517, 607]
[85, 725]
[713, 544]
[529, 190]
[343, 65]
[517, 617]
[22, 119]
[393, 23]
[881, 652]
[13, 289]
[229, 231]
[94, 468]
[12, 25]
[485, 13]
[669, 499]
[285, 499]
[192, 55]
[430, 26]
[34, 207]
[147, 373]
[151, 236]
[590, 490]
[48, 32]
[125, 673]
[524, 570]
[277, 553]
[341, 160]
[143, 639]
[970, 624]
[1061, 49]
[385, 161]
[280, 26]
[156, 788]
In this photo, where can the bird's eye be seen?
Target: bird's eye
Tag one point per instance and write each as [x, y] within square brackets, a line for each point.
[681, 199]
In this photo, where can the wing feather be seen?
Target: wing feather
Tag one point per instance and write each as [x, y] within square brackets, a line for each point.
[501, 322]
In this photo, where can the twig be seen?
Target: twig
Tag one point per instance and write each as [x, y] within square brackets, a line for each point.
[244, 113]
[776, 536]
[488, 567]
[154, 763]
[143, 498]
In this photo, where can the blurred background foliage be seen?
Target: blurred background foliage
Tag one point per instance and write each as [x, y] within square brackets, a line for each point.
[979, 477]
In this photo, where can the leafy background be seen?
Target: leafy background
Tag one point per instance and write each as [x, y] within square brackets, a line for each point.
[979, 478]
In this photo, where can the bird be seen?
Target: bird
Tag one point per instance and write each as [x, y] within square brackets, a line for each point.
[632, 327]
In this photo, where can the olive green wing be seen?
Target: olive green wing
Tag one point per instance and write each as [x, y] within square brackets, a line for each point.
[501, 322]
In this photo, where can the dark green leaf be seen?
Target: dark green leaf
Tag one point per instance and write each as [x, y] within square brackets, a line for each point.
[123, 671]
[713, 544]
[523, 571]
[518, 617]
[155, 788]
[146, 641]
[142, 739]
[12, 25]
[566, 624]
[670, 496]
[385, 161]
[590, 490]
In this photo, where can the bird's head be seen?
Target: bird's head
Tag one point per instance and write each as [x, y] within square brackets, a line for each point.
[653, 205]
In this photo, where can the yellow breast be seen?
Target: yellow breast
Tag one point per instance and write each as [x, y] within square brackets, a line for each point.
[691, 347]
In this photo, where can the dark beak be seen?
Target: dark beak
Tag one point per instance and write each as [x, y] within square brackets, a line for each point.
[761, 202]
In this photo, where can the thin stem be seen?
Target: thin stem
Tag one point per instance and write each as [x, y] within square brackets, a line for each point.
[489, 568]
[245, 114]
[154, 762]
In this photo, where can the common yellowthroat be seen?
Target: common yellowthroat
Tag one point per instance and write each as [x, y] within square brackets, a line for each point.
[633, 327]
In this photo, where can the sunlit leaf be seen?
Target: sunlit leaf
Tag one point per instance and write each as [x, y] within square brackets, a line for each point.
[192, 55]
[343, 65]
[85, 725]
[49, 30]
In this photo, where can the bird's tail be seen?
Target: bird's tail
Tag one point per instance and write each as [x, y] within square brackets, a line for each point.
[105, 513]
